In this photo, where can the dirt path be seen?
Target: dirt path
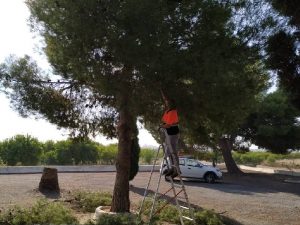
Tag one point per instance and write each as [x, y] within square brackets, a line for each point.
[253, 199]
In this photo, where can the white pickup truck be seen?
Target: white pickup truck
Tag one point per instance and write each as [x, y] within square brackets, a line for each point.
[193, 169]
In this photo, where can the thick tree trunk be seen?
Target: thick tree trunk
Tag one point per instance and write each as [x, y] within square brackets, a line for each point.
[120, 201]
[226, 147]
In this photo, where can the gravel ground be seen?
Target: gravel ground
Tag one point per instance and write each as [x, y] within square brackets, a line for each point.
[252, 199]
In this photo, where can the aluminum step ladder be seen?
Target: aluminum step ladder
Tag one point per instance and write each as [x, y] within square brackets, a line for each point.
[185, 211]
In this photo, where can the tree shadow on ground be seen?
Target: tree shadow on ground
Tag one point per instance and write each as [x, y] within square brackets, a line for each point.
[141, 192]
[250, 184]
[49, 194]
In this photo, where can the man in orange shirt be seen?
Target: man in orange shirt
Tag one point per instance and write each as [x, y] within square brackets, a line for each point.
[170, 123]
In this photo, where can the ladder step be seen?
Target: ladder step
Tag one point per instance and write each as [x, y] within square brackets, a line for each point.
[181, 206]
[187, 218]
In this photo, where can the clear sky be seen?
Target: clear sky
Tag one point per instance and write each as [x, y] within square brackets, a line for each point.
[15, 38]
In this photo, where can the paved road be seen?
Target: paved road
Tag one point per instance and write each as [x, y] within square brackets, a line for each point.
[253, 199]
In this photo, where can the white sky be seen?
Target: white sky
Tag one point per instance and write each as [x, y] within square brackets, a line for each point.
[15, 38]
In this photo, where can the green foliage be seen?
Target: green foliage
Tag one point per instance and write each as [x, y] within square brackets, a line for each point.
[21, 149]
[169, 214]
[274, 125]
[64, 153]
[50, 158]
[67, 152]
[109, 56]
[119, 219]
[84, 152]
[43, 212]
[207, 217]
[283, 50]
[89, 201]
[71, 152]
[107, 154]
[148, 155]
[250, 158]
[134, 158]
[259, 158]
[294, 155]
[204, 155]
[1, 162]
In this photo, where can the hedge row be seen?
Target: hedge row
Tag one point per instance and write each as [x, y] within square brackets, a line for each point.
[27, 150]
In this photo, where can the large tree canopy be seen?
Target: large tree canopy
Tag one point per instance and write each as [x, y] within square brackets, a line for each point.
[284, 50]
[114, 59]
[274, 124]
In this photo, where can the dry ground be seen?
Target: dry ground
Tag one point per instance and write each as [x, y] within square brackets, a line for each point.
[252, 199]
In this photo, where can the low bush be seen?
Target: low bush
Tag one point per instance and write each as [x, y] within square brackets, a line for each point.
[262, 158]
[118, 219]
[253, 158]
[89, 201]
[42, 213]
[107, 154]
[294, 155]
[169, 214]
[2, 163]
[147, 155]
[207, 217]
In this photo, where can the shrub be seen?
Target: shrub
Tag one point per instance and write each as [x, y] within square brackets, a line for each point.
[50, 158]
[107, 154]
[205, 155]
[147, 155]
[272, 158]
[89, 201]
[43, 213]
[118, 219]
[251, 158]
[2, 163]
[207, 217]
[294, 155]
[169, 214]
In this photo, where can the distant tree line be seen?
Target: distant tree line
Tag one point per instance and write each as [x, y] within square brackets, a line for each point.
[27, 151]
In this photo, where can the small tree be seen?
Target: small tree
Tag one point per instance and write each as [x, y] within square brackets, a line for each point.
[21, 149]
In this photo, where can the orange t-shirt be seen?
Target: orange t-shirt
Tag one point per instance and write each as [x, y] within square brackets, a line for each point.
[170, 117]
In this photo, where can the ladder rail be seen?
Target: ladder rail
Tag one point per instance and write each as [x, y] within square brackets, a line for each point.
[179, 175]
[155, 195]
[191, 211]
[166, 160]
[176, 201]
[149, 181]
